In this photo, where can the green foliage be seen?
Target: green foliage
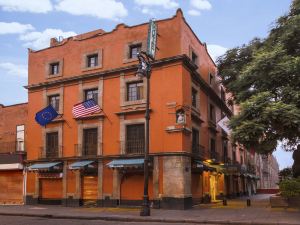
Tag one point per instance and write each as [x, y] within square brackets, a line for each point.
[264, 78]
[290, 188]
[286, 173]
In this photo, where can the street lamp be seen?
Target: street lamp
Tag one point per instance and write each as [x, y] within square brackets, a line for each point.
[144, 70]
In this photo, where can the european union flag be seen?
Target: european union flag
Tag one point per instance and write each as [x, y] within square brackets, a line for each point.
[46, 115]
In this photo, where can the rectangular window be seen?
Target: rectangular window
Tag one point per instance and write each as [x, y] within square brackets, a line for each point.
[53, 100]
[195, 141]
[134, 50]
[90, 142]
[91, 94]
[135, 139]
[223, 95]
[54, 68]
[135, 91]
[20, 138]
[225, 151]
[211, 79]
[52, 145]
[212, 113]
[194, 58]
[92, 60]
[194, 97]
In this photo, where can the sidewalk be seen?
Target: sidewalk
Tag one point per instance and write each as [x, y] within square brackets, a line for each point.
[236, 212]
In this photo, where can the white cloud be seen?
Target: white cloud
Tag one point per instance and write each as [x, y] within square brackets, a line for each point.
[34, 6]
[14, 28]
[194, 12]
[167, 4]
[215, 51]
[104, 9]
[197, 6]
[38, 40]
[13, 69]
[201, 4]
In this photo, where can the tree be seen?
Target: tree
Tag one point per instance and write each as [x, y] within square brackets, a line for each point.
[263, 77]
[286, 173]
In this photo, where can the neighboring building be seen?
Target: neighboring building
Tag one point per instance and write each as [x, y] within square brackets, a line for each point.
[12, 152]
[269, 170]
[98, 159]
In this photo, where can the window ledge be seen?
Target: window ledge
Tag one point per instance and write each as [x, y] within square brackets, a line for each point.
[133, 104]
[195, 110]
[50, 76]
[91, 68]
[129, 60]
[57, 120]
[132, 111]
[172, 129]
[93, 116]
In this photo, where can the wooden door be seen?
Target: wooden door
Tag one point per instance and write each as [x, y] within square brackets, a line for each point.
[11, 187]
[89, 189]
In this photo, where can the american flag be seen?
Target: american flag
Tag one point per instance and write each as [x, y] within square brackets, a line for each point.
[85, 108]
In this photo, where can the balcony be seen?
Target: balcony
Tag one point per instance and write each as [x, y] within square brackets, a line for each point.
[198, 150]
[135, 146]
[13, 146]
[86, 149]
[50, 152]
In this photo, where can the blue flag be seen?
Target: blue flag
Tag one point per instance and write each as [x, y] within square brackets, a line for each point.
[46, 115]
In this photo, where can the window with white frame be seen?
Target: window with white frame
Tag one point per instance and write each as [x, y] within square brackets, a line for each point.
[20, 145]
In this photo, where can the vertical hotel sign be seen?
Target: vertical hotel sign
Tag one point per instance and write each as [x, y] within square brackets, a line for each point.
[152, 39]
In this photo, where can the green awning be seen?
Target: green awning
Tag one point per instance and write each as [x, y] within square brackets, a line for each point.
[43, 166]
[123, 163]
[80, 164]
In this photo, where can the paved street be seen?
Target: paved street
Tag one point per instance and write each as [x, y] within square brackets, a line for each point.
[18, 220]
[236, 212]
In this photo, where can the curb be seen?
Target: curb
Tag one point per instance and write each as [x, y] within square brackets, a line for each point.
[144, 219]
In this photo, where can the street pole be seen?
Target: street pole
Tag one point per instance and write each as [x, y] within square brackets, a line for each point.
[145, 211]
[144, 70]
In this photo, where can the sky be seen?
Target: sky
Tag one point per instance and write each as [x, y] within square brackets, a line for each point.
[222, 24]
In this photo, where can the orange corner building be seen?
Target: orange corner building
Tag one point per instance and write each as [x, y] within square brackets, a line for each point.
[98, 159]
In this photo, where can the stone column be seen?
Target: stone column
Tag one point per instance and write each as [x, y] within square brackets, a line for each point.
[116, 185]
[177, 182]
[100, 182]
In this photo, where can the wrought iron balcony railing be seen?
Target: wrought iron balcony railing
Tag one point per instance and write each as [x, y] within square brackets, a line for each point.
[50, 152]
[135, 146]
[86, 149]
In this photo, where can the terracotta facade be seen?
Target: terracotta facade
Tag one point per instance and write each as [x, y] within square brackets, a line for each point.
[186, 158]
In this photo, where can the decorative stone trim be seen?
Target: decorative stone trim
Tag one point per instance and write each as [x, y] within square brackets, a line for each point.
[123, 124]
[123, 93]
[48, 68]
[58, 129]
[48, 92]
[92, 85]
[84, 60]
[127, 58]
[81, 126]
